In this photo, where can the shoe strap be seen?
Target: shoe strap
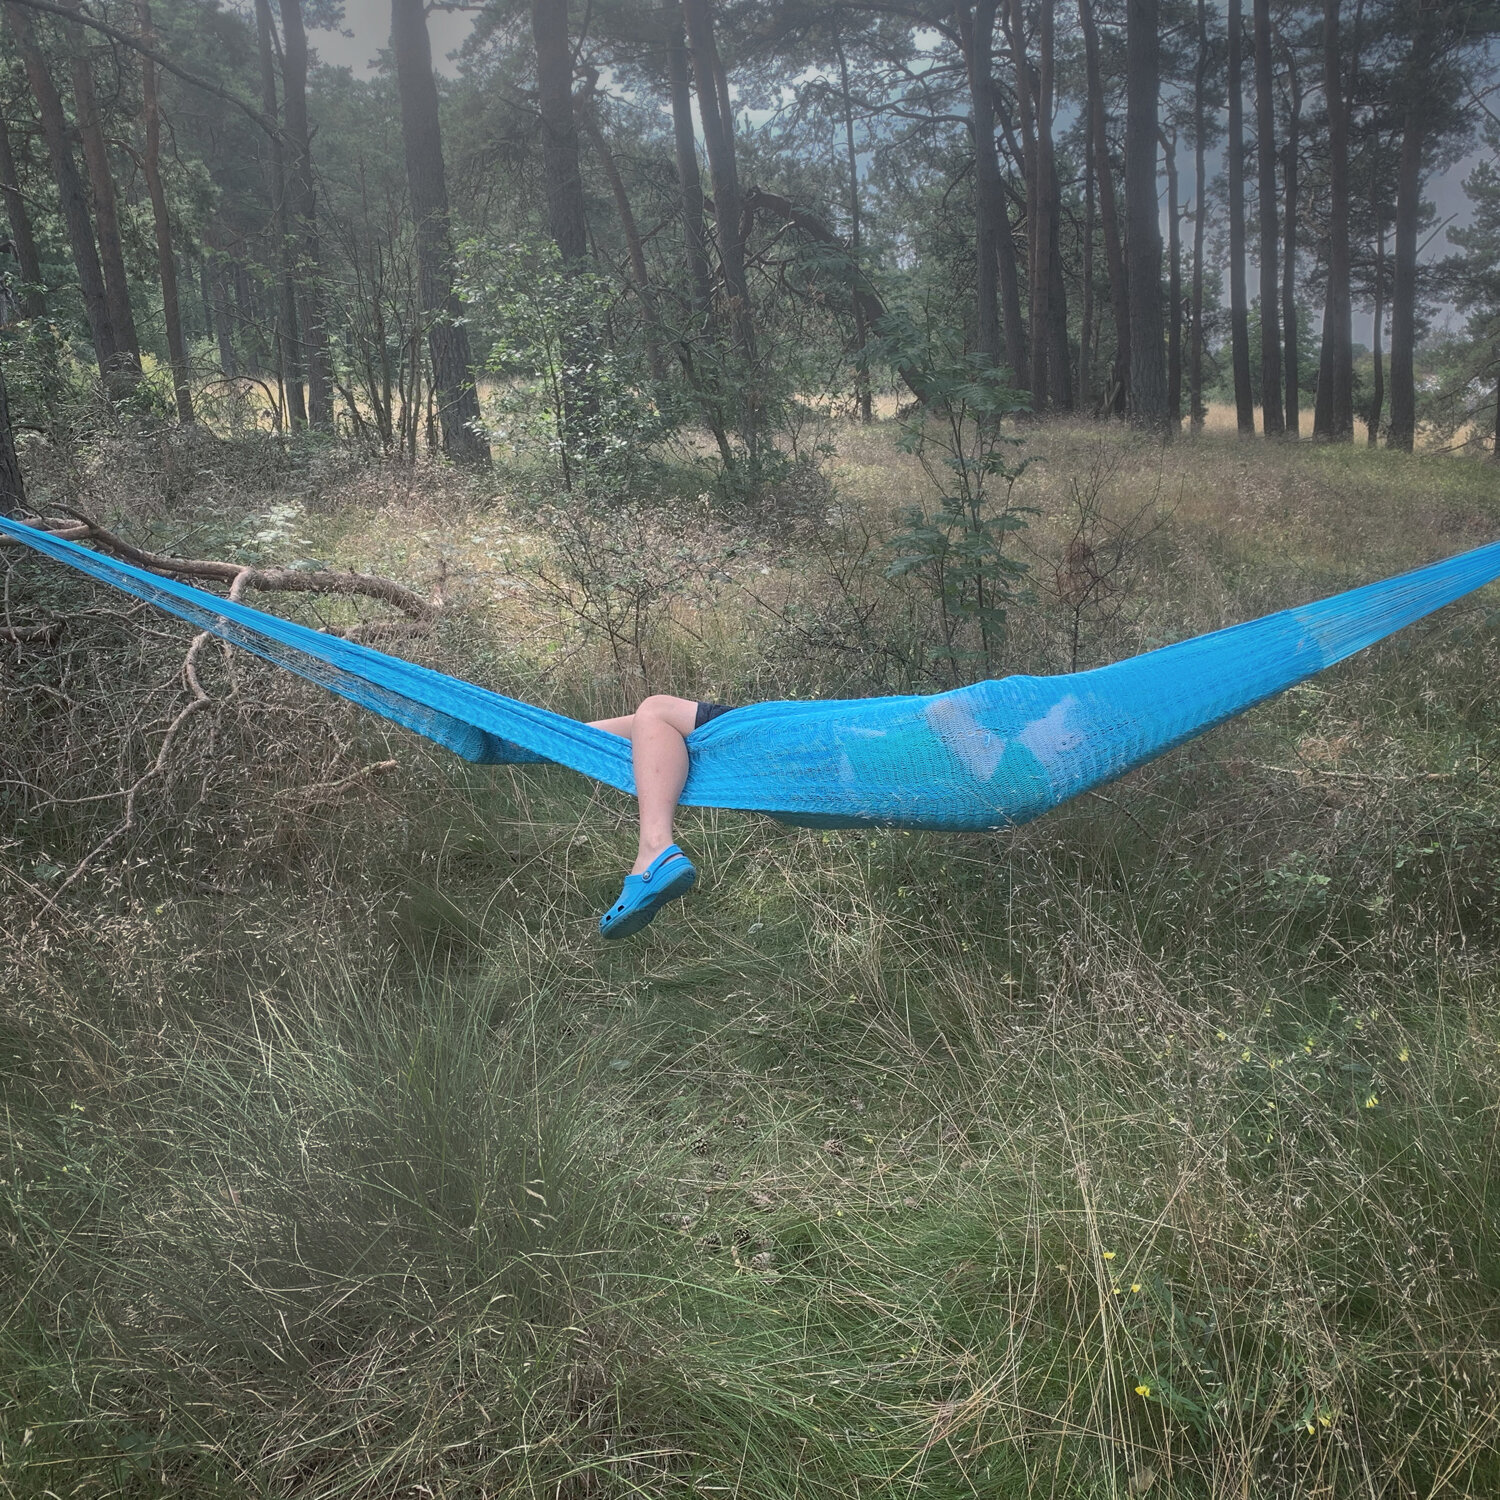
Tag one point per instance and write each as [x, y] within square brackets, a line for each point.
[671, 852]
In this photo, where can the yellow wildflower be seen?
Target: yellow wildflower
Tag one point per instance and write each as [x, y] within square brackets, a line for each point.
[1143, 1390]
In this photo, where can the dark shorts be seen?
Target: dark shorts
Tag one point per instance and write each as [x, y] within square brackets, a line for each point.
[707, 711]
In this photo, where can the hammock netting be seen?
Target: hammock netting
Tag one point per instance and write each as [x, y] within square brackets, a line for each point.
[980, 757]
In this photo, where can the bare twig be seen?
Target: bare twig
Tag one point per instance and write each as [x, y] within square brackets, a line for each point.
[199, 702]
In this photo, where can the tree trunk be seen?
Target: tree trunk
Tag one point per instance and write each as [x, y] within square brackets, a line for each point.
[223, 318]
[567, 220]
[1148, 376]
[1272, 422]
[1060, 355]
[851, 158]
[635, 249]
[427, 185]
[1174, 285]
[1114, 252]
[12, 482]
[1013, 19]
[302, 199]
[287, 344]
[695, 243]
[1013, 314]
[244, 312]
[758, 201]
[33, 300]
[1495, 445]
[717, 115]
[997, 280]
[72, 196]
[689, 182]
[1404, 283]
[1049, 322]
[1333, 411]
[166, 260]
[1377, 387]
[1196, 412]
[90, 132]
[634, 246]
[718, 140]
[1290, 361]
[566, 216]
[1086, 323]
[1239, 312]
[206, 299]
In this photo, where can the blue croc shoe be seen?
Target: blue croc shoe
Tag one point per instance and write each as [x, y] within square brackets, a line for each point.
[669, 875]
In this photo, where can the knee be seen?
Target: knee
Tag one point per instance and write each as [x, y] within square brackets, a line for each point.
[657, 706]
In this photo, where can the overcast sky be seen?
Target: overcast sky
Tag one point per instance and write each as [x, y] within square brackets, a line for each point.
[369, 25]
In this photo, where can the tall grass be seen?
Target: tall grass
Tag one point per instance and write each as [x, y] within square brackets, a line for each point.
[1150, 1149]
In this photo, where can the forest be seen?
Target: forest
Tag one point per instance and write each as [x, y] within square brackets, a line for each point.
[752, 207]
[759, 352]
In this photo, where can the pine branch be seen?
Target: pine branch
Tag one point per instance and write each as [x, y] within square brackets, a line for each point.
[125, 39]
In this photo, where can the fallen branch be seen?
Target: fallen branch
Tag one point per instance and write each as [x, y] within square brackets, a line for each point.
[46, 634]
[420, 613]
[199, 701]
[322, 790]
[178, 723]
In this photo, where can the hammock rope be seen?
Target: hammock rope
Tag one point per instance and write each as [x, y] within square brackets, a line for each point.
[988, 756]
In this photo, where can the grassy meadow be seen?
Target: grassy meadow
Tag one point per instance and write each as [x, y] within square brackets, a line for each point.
[1151, 1149]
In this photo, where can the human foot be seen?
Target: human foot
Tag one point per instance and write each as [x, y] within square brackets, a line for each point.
[669, 875]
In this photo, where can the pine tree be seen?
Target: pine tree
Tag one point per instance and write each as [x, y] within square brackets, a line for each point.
[1472, 279]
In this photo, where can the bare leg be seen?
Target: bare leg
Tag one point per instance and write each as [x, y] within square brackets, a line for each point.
[621, 726]
[657, 732]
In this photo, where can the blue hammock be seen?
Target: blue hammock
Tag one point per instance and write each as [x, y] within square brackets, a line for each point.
[980, 757]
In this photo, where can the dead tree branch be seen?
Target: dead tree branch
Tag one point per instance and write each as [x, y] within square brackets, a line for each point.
[46, 634]
[199, 701]
[420, 613]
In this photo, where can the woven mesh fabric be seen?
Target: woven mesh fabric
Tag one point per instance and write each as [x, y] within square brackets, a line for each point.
[985, 756]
